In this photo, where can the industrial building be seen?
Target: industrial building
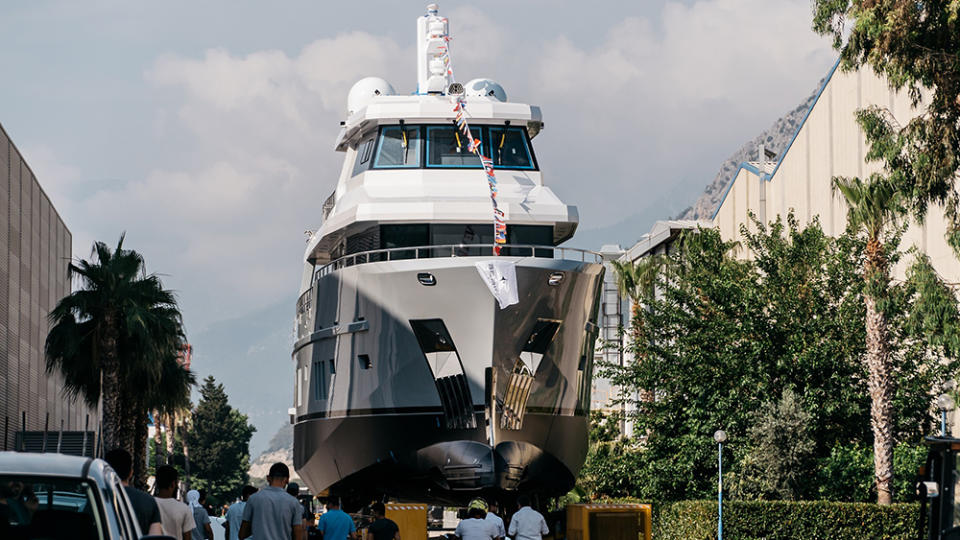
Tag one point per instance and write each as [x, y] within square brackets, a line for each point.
[35, 247]
[828, 143]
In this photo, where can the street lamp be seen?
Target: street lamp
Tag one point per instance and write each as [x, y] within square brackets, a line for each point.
[720, 436]
[944, 403]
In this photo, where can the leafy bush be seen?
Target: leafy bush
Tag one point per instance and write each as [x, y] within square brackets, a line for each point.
[782, 520]
[847, 473]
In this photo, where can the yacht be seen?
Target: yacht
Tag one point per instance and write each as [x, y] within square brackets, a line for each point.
[445, 336]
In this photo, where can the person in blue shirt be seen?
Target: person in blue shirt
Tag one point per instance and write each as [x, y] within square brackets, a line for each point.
[335, 524]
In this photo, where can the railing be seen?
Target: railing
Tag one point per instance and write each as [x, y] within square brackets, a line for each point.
[457, 250]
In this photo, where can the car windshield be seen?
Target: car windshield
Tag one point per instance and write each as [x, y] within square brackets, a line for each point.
[48, 509]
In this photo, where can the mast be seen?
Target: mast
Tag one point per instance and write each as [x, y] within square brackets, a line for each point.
[433, 77]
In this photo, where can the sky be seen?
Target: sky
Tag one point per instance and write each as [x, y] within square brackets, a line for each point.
[204, 130]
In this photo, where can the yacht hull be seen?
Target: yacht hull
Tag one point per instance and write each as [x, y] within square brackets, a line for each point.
[432, 391]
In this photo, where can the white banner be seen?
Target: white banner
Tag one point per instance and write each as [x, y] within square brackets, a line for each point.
[501, 279]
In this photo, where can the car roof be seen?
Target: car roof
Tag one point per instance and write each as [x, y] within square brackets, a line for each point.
[49, 464]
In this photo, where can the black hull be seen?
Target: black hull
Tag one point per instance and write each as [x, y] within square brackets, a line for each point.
[407, 456]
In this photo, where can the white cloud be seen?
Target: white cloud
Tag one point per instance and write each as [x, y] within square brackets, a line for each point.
[663, 100]
[222, 208]
[225, 216]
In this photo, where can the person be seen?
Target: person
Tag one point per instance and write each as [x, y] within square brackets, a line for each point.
[527, 523]
[234, 515]
[383, 528]
[272, 514]
[496, 521]
[335, 524]
[176, 520]
[144, 506]
[293, 489]
[201, 518]
[475, 527]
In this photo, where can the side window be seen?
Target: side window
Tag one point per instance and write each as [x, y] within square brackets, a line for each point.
[509, 149]
[319, 381]
[398, 147]
[364, 153]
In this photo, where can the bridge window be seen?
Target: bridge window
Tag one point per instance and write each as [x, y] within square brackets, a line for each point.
[508, 148]
[447, 147]
[399, 147]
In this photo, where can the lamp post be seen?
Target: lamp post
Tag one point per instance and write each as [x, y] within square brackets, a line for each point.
[720, 436]
[944, 403]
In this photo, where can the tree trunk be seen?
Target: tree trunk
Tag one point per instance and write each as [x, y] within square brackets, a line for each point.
[186, 456]
[128, 423]
[879, 381]
[157, 439]
[170, 436]
[110, 386]
[140, 451]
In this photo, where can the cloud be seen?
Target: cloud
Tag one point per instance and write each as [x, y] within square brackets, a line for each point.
[246, 156]
[660, 101]
[223, 215]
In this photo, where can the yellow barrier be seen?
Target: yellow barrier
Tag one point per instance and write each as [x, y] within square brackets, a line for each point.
[609, 521]
[410, 518]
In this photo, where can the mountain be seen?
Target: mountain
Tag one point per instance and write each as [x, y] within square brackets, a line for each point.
[776, 138]
[280, 448]
[250, 356]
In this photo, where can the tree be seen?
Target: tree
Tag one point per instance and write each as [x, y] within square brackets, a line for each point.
[780, 451]
[718, 337]
[112, 337]
[914, 44]
[874, 207]
[220, 444]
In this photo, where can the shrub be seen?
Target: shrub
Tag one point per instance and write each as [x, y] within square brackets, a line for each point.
[782, 520]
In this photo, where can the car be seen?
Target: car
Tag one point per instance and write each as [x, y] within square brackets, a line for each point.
[60, 497]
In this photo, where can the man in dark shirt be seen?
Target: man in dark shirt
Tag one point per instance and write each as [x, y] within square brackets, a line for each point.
[144, 506]
[383, 528]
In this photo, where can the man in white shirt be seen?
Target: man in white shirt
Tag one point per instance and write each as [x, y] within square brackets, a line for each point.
[475, 527]
[495, 520]
[527, 523]
[175, 517]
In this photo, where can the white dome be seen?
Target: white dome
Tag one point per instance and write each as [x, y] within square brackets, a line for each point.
[365, 90]
[485, 88]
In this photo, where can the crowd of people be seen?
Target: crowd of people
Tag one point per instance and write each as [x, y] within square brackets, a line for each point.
[276, 513]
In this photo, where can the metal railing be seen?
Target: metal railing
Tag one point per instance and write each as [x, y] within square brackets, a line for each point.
[457, 250]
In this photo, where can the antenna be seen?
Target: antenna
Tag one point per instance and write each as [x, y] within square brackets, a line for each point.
[433, 77]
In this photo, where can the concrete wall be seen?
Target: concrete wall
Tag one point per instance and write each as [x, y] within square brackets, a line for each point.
[35, 247]
[830, 143]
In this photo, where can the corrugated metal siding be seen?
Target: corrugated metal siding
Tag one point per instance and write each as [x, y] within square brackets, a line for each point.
[35, 247]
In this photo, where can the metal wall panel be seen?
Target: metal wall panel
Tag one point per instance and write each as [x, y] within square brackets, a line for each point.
[35, 248]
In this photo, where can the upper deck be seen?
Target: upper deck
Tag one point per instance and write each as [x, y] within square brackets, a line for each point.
[434, 109]
[407, 163]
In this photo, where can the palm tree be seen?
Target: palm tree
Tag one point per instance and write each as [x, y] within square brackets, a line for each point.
[874, 207]
[109, 337]
[170, 393]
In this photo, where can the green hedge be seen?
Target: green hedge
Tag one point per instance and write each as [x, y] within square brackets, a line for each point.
[776, 520]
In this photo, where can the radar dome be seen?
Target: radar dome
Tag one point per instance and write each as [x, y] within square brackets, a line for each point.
[365, 90]
[485, 88]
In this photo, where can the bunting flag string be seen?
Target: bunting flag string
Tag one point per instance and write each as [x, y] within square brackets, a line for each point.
[476, 146]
